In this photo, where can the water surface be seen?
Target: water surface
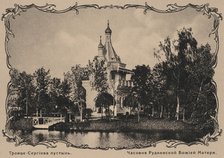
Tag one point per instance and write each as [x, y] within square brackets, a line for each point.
[110, 139]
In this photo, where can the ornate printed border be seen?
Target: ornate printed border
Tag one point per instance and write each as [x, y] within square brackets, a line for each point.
[211, 12]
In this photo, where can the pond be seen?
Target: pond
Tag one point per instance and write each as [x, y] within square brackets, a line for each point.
[110, 139]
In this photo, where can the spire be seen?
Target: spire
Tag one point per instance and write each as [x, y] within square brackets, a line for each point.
[110, 53]
[100, 44]
[108, 30]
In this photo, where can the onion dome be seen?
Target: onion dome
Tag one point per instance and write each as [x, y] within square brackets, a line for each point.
[108, 30]
[100, 44]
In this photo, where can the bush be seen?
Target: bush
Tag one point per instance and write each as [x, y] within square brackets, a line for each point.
[22, 124]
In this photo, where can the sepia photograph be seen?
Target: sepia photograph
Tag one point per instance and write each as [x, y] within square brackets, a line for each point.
[112, 76]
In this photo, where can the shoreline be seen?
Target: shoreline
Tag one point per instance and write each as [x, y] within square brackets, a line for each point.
[144, 126]
[122, 126]
[122, 131]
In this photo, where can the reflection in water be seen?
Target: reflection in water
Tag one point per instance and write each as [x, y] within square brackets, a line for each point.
[109, 139]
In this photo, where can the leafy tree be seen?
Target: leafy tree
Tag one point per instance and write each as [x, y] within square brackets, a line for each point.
[163, 88]
[104, 100]
[200, 74]
[132, 101]
[99, 75]
[77, 92]
[63, 100]
[187, 69]
[42, 78]
[54, 90]
[27, 92]
[87, 113]
[99, 81]
[23, 92]
[65, 88]
[175, 62]
[143, 86]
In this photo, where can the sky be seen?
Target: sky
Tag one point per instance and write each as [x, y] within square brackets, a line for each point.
[59, 41]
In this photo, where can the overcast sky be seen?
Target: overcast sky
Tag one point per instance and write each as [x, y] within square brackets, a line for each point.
[59, 41]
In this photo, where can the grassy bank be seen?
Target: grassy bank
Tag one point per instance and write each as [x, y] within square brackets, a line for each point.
[122, 125]
[111, 126]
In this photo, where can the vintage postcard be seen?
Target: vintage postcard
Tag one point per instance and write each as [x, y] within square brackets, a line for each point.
[124, 79]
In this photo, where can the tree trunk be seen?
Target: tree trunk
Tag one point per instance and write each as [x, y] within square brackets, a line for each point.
[153, 111]
[178, 108]
[168, 111]
[108, 112]
[197, 99]
[184, 114]
[138, 112]
[101, 112]
[113, 110]
[40, 113]
[177, 93]
[80, 110]
[37, 113]
[199, 92]
[27, 99]
[69, 117]
[114, 113]
[38, 104]
[27, 103]
[161, 112]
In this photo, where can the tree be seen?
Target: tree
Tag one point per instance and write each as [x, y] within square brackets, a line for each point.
[132, 101]
[63, 100]
[175, 61]
[77, 92]
[42, 78]
[65, 88]
[104, 100]
[142, 89]
[99, 81]
[27, 89]
[54, 91]
[163, 88]
[22, 85]
[187, 68]
[201, 73]
[99, 75]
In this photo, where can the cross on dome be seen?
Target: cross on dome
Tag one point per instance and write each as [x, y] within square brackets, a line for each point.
[108, 30]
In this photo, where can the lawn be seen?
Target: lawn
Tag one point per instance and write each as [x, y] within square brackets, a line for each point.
[126, 125]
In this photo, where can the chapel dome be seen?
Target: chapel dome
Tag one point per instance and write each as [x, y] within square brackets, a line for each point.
[108, 30]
